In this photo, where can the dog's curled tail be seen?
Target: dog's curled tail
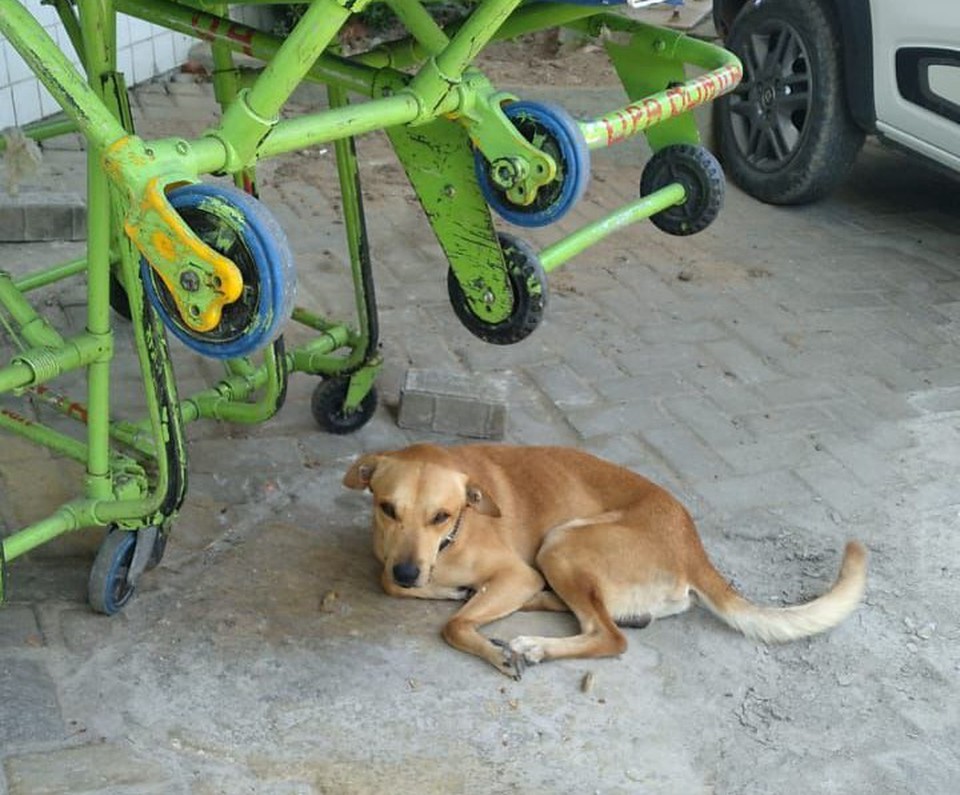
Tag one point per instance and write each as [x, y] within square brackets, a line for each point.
[779, 624]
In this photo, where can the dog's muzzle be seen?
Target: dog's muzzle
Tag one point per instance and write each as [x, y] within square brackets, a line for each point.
[406, 574]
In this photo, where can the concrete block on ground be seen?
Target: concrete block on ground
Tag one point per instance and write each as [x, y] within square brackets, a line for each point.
[34, 215]
[434, 400]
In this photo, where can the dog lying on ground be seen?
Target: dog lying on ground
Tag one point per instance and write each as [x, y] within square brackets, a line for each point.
[550, 528]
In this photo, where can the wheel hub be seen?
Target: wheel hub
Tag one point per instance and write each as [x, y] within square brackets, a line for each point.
[768, 96]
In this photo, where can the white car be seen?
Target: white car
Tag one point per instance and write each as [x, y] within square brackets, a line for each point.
[819, 75]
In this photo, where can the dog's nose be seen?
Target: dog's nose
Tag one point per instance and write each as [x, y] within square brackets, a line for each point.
[405, 574]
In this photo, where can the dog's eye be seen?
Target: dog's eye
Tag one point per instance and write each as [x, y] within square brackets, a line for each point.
[388, 510]
[440, 517]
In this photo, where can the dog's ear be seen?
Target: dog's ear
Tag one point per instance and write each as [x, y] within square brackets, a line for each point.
[479, 500]
[359, 474]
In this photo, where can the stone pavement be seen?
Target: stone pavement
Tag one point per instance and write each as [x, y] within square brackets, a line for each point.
[793, 374]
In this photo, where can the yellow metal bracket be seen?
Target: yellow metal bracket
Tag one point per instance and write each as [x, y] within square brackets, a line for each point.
[200, 280]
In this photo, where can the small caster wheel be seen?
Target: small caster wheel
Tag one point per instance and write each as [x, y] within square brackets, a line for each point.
[108, 588]
[529, 284]
[327, 408]
[702, 178]
[159, 547]
[552, 130]
[242, 229]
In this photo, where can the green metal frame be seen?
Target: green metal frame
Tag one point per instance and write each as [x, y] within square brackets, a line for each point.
[436, 108]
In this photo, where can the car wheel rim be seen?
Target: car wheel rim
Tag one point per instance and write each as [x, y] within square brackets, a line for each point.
[770, 108]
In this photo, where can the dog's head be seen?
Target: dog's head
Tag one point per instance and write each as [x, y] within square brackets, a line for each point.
[420, 499]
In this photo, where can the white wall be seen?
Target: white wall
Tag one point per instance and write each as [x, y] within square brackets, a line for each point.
[143, 51]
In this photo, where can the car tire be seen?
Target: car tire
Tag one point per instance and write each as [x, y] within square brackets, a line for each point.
[785, 134]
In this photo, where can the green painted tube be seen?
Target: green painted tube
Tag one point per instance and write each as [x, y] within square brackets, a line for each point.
[556, 254]
[312, 357]
[44, 129]
[35, 330]
[338, 123]
[49, 276]
[37, 365]
[15, 376]
[42, 435]
[65, 519]
[351, 74]
[98, 23]
[309, 38]
[473, 35]
[416, 19]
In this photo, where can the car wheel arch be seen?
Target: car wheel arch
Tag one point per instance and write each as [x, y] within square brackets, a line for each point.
[856, 32]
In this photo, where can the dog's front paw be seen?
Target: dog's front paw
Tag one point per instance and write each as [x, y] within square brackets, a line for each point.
[518, 655]
[527, 648]
[507, 661]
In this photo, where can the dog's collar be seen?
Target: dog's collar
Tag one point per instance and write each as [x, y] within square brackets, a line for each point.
[450, 537]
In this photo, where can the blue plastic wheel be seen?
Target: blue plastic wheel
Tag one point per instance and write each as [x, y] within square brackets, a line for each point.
[242, 229]
[552, 130]
[108, 588]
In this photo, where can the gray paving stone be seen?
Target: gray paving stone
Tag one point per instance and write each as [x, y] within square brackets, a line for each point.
[837, 486]
[731, 396]
[562, 385]
[614, 418]
[665, 356]
[792, 391]
[686, 454]
[741, 362]
[701, 415]
[28, 695]
[84, 631]
[673, 330]
[870, 465]
[878, 399]
[786, 420]
[19, 627]
[735, 494]
[588, 360]
[767, 330]
[770, 452]
[90, 769]
[540, 425]
[623, 389]
[253, 457]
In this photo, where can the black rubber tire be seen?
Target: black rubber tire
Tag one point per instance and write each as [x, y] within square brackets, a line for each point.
[107, 588]
[702, 178]
[528, 282]
[785, 134]
[326, 405]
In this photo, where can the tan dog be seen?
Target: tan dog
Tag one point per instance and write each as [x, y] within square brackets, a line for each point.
[551, 528]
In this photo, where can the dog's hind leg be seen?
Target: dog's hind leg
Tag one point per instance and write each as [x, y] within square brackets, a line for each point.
[503, 594]
[599, 635]
[574, 584]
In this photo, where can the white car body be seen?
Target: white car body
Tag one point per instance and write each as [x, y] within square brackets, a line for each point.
[929, 25]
